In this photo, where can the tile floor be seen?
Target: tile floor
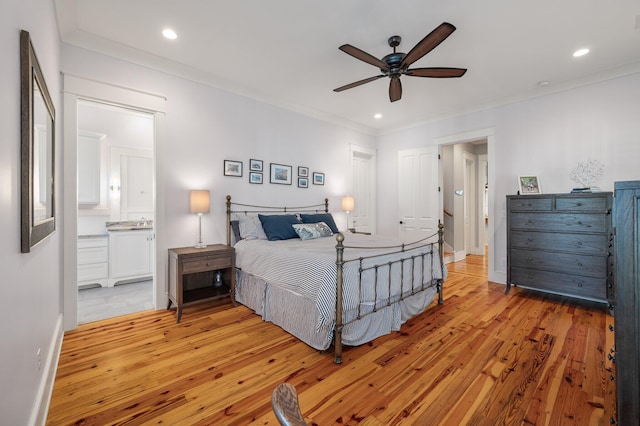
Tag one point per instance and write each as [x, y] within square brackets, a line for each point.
[99, 303]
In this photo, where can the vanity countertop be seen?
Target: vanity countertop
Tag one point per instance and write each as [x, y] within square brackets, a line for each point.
[130, 225]
[93, 235]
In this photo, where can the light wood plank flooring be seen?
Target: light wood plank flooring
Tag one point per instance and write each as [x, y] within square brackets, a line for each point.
[482, 358]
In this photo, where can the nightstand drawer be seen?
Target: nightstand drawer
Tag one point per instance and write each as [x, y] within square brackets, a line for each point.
[205, 264]
[590, 266]
[592, 288]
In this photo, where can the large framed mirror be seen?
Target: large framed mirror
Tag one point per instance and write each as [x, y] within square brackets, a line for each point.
[37, 150]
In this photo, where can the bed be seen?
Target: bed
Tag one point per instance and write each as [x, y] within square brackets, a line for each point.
[325, 287]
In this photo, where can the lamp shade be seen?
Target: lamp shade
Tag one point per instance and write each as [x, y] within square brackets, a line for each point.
[199, 201]
[348, 203]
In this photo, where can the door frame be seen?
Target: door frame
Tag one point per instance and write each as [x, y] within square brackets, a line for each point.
[75, 89]
[489, 135]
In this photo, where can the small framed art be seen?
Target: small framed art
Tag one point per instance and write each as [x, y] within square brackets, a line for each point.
[280, 174]
[318, 178]
[529, 185]
[233, 168]
[303, 171]
[255, 166]
[303, 182]
[255, 177]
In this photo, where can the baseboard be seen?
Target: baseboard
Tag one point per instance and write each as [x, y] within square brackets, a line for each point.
[459, 255]
[43, 397]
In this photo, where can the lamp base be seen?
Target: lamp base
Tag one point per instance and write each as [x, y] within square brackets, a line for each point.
[200, 245]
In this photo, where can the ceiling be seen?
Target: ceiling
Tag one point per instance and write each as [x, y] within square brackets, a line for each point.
[285, 52]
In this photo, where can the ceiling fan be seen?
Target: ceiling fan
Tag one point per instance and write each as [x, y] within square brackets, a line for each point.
[397, 64]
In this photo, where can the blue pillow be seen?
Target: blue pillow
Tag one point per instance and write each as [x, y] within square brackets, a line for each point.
[320, 217]
[279, 227]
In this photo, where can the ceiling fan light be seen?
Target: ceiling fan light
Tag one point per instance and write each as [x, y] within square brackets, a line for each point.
[377, 116]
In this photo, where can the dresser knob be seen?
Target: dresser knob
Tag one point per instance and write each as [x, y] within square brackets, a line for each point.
[580, 264]
[611, 358]
[579, 204]
[611, 327]
[530, 259]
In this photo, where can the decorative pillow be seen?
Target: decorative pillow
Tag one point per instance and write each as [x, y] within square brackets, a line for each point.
[235, 228]
[320, 217]
[278, 227]
[251, 228]
[309, 231]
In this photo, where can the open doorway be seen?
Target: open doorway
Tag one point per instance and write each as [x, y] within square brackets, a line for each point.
[115, 213]
[465, 198]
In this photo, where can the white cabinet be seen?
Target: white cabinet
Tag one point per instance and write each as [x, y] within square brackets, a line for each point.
[89, 168]
[93, 260]
[131, 255]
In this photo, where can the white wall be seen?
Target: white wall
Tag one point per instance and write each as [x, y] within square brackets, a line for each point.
[546, 136]
[202, 127]
[31, 283]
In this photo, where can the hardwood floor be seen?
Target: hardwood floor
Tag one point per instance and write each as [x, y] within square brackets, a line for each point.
[482, 358]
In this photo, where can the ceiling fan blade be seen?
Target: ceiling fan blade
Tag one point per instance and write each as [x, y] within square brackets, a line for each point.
[427, 44]
[395, 89]
[441, 72]
[357, 83]
[363, 56]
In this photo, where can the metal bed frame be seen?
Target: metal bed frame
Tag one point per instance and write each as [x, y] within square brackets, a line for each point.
[411, 250]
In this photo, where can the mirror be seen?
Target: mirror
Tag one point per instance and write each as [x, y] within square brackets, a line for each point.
[37, 150]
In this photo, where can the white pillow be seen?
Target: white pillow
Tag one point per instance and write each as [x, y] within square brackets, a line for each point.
[309, 231]
[251, 228]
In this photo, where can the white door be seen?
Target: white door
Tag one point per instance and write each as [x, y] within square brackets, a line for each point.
[419, 200]
[362, 191]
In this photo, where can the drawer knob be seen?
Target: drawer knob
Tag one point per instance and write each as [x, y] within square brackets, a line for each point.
[579, 204]
[530, 259]
[580, 264]
[580, 284]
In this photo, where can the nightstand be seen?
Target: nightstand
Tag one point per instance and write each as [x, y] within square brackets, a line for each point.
[193, 272]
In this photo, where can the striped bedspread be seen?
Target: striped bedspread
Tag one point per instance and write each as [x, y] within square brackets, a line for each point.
[308, 269]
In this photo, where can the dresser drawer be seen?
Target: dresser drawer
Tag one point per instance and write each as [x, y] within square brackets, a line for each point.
[96, 271]
[200, 264]
[574, 243]
[587, 287]
[591, 204]
[566, 222]
[531, 204]
[590, 266]
[93, 255]
[87, 242]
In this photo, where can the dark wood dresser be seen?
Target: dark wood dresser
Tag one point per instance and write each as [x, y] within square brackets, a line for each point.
[626, 220]
[561, 243]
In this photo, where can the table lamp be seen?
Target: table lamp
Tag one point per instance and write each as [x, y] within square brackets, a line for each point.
[348, 204]
[199, 204]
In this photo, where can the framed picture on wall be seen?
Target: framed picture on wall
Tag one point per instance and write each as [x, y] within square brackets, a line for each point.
[529, 185]
[281, 174]
[303, 182]
[318, 178]
[233, 168]
[255, 165]
[303, 171]
[255, 177]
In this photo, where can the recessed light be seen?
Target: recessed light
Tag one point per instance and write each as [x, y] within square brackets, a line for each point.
[169, 33]
[377, 116]
[580, 52]
[543, 83]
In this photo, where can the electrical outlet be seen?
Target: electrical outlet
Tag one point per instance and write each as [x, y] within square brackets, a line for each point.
[39, 359]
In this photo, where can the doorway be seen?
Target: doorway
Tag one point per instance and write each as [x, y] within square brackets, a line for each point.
[77, 89]
[363, 170]
[115, 212]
